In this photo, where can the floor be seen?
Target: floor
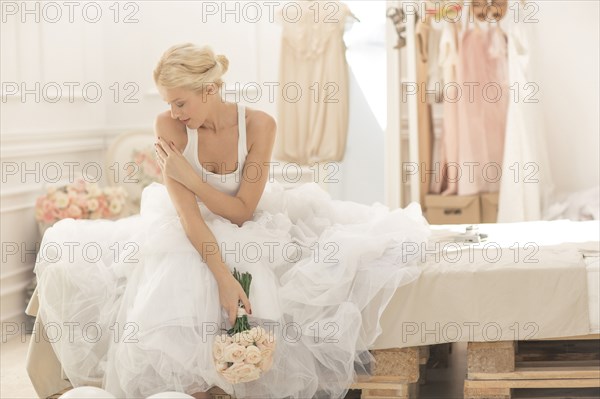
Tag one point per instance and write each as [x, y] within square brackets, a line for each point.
[14, 383]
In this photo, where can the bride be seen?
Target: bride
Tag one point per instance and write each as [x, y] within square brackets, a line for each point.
[323, 270]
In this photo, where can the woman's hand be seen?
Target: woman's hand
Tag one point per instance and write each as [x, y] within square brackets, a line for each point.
[230, 294]
[172, 162]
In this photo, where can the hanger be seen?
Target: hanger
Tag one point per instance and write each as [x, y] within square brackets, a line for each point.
[491, 11]
[438, 13]
[397, 16]
[443, 13]
[477, 10]
[500, 9]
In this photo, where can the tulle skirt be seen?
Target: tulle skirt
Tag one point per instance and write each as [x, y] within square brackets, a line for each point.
[130, 305]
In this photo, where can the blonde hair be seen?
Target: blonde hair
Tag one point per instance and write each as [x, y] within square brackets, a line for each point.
[191, 67]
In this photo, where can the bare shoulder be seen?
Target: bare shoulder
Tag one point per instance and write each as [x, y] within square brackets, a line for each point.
[170, 129]
[261, 127]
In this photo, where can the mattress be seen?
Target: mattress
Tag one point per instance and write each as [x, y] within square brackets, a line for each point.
[529, 280]
[592, 263]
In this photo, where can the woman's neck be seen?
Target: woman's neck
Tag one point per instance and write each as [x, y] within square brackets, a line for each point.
[222, 115]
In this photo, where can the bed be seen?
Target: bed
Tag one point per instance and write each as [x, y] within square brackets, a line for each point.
[530, 280]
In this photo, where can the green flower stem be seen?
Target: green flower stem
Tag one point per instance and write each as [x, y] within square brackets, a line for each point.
[241, 323]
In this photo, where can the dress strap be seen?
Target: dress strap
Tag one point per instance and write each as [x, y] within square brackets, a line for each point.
[190, 152]
[192, 143]
[242, 146]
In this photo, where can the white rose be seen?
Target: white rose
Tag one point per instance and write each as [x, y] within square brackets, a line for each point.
[241, 372]
[258, 334]
[252, 374]
[92, 204]
[221, 366]
[266, 363]
[243, 338]
[234, 353]
[269, 342]
[115, 207]
[266, 352]
[253, 355]
[61, 200]
[218, 349]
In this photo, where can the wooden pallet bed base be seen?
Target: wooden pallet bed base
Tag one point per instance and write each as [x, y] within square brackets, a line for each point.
[496, 368]
[396, 374]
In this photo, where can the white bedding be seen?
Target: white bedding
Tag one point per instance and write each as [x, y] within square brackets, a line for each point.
[592, 264]
[558, 292]
[586, 233]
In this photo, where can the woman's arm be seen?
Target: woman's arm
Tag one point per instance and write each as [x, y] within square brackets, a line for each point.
[230, 291]
[239, 208]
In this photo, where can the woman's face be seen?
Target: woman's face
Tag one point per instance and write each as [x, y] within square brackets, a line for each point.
[189, 107]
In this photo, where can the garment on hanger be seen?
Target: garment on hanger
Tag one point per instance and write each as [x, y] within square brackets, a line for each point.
[526, 197]
[434, 69]
[436, 179]
[434, 97]
[447, 182]
[483, 105]
[313, 76]
[422, 32]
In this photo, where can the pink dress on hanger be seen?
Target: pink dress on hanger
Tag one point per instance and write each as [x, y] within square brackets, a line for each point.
[483, 106]
[448, 61]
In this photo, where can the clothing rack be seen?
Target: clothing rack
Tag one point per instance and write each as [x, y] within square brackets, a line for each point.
[402, 137]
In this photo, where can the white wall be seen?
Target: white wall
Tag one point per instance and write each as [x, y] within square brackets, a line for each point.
[116, 51]
[359, 177]
[566, 62]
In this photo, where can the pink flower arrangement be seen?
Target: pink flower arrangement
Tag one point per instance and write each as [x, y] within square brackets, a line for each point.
[149, 170]
[244, 353]
[79, 200]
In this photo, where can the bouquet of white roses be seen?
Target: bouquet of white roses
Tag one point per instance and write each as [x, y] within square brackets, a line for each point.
[245, 352]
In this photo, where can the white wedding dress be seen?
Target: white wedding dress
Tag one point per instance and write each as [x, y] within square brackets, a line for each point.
[137, 311]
